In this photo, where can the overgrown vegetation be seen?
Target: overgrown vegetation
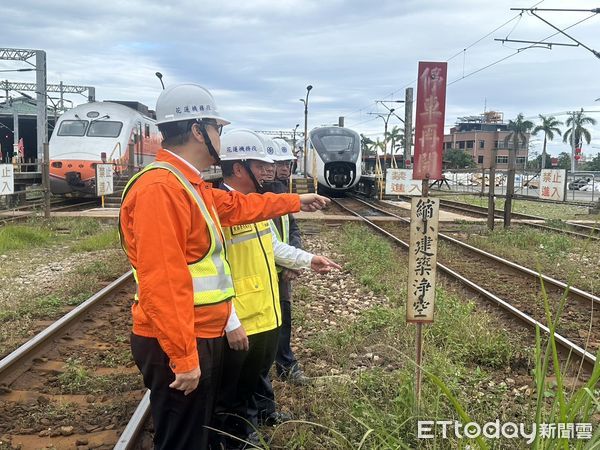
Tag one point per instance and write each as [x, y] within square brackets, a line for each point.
[556, 255]
[552, 211]
[50, 266]
[475, 369]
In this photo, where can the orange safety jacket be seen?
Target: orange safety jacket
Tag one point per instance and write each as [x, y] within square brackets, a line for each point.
[164, 232]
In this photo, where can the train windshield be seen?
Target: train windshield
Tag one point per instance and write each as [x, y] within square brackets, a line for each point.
[338, 143]
[105, 128]
[73, 128]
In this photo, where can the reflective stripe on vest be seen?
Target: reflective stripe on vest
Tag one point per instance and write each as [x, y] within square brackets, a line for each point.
[250, 253]
[211, 276]
[285, 227]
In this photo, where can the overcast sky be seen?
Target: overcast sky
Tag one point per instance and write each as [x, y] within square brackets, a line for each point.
[258, 56]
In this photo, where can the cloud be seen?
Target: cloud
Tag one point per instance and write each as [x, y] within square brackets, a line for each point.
[257, 57]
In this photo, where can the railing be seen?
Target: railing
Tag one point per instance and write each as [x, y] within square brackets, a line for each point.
[582, 187]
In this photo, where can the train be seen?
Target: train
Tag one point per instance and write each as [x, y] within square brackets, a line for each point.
[99, 132]
[338, 154]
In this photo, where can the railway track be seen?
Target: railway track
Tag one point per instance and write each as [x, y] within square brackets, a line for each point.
[568, 228]
[513, 287]
[27, 211]
[74, 384]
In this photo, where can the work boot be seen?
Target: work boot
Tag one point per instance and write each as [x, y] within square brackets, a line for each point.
[276, 418]
[294, 375]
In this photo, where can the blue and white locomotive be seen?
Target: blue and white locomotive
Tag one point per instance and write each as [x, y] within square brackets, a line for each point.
[338, 157]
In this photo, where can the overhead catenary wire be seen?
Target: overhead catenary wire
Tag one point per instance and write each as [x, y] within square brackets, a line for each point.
[462, 51]
[519, 51]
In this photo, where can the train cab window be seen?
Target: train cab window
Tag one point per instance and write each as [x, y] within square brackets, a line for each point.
[105, 128]
[72, 128]
[338, 143]
[147, 130]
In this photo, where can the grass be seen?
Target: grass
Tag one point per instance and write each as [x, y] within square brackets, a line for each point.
[370, 402]
[553, 211]
[556, 255]
[78, 378]
[51, 248]
[104, 240]
[17, 237]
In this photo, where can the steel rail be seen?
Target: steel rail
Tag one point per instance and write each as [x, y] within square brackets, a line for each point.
[60, 206]
[570, 346]
[127, 440]
[537, 275]
[28, 350]
[482, 211]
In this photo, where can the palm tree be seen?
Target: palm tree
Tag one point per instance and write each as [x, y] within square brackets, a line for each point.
[519, 133]
[579, 119]
[394, 135]
[549, 126]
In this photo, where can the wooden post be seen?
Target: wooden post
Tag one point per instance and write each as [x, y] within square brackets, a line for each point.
[491, 191]
[419, 328]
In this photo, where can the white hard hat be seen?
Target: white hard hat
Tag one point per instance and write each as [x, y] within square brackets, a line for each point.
[285, 151]
[189, 101]
[238, 145]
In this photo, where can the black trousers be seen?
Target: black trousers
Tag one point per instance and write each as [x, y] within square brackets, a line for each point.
[180, 421]
[285, 359]
[237, 410]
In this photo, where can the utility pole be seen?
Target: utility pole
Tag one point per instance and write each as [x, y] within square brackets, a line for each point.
[408, 107]
[573, 142]
[42, 105]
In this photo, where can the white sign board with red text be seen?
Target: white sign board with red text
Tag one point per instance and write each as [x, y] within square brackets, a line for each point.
[553, 184]
[7, 179]
[400, 182]
[104, 179]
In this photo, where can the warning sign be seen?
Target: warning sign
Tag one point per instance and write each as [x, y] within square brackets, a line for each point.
[7, 179]
[104, 179]
[552, 184]
[400, 182]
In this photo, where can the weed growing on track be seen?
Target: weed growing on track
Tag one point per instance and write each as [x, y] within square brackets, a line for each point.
[79, 378]
[535, 208]
[16, 237]
[562, 257]
[369, 403]
[62, 263]
[101, 241]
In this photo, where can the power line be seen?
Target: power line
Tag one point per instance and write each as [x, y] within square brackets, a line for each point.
[391, 94]
[518, 51]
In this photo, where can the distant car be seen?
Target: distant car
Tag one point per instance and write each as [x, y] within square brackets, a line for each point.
[577, 184]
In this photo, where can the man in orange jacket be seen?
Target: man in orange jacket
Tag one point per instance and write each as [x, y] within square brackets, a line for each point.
[170, 225]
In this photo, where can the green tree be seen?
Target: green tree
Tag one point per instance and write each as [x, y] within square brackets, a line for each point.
[593, 164]
[393, 136]
[366, 145]
[579, 119]
[564, 161]
[519, 134]
[455, 158]
[549, 126]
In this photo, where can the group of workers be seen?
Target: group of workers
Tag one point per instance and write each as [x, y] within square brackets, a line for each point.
[212, 308]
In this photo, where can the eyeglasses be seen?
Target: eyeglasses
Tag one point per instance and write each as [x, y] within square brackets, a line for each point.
[214, 124]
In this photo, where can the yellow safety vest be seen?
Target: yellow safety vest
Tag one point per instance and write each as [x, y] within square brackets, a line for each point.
[211, 276]
[250, 254]
[285, 228]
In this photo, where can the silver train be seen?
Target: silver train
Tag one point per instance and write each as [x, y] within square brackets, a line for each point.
[338, 157]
